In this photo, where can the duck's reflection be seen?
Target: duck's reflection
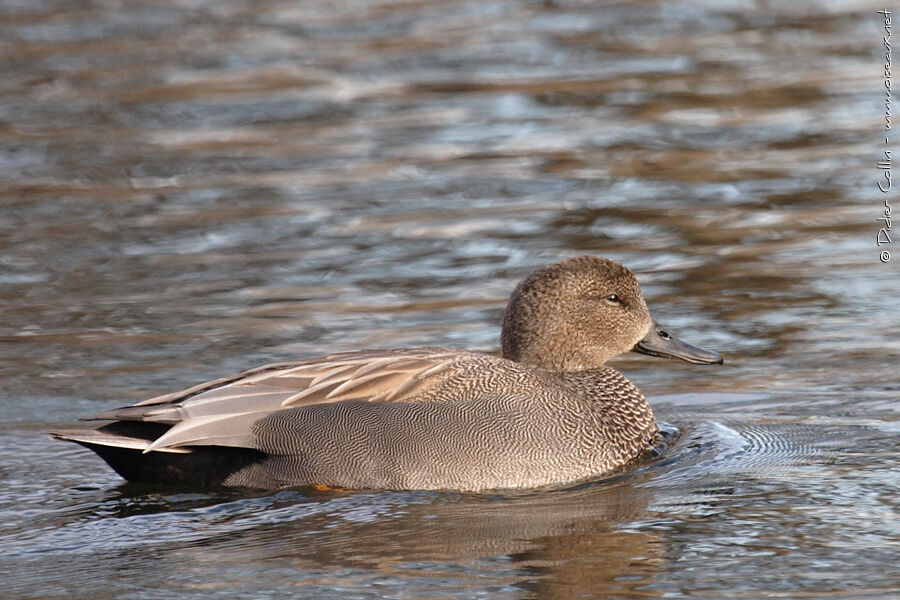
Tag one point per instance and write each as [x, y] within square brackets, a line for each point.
[547, 544]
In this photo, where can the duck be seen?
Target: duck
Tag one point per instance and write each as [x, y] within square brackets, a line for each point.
[547, 412]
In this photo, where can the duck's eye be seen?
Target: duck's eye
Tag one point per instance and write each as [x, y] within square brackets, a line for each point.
[614, 299]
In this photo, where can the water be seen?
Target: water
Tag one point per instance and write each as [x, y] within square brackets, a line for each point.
[190, 189]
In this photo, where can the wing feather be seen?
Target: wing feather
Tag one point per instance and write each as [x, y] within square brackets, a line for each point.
[222, 411]
[231, 429]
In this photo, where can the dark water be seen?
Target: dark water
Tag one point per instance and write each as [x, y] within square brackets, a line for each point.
[193, 188]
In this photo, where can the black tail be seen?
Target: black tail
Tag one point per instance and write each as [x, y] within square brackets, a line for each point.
[121, 445]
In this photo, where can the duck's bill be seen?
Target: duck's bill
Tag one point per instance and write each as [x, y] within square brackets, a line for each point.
[659, 342]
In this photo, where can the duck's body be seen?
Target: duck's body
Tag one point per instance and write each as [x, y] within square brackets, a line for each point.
[423, 418]
[549, 412]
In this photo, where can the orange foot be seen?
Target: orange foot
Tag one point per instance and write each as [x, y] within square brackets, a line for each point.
[319, 487]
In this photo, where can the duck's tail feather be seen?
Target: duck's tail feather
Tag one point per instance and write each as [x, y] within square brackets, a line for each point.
[123, 444]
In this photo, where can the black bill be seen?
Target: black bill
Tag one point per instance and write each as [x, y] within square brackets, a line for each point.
[660, 342]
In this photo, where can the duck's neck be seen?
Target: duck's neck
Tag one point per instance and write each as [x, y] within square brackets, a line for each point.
[557, 359]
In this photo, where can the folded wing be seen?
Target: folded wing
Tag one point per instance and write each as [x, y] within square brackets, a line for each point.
[222, 412]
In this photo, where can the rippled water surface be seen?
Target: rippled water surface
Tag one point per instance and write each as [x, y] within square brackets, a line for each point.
[193, 188]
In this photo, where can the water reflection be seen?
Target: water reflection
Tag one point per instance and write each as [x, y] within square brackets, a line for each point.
[548, 542]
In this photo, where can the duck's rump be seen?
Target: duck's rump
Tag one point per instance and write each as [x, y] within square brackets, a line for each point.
[122, 444]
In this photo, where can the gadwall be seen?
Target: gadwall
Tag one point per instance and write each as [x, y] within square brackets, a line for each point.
[548, 412]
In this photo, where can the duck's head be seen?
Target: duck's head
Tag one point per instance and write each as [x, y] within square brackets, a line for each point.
[578, 313]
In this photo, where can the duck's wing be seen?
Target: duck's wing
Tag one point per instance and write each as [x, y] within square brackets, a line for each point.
[222, 412]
